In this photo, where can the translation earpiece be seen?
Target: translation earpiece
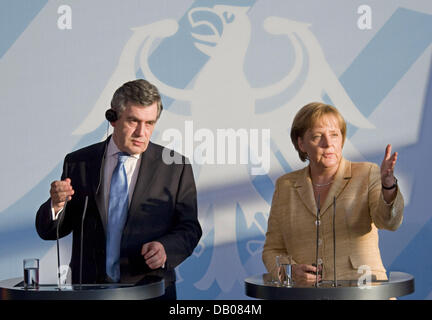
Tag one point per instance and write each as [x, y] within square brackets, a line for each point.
[111, 115]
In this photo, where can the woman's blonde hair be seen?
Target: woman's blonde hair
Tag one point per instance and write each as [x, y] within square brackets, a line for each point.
[307, 117]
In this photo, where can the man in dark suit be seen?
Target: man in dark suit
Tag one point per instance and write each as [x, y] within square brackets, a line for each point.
[158, 226]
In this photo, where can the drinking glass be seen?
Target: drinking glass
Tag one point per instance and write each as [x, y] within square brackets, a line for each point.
[31, 273]
[284, 270]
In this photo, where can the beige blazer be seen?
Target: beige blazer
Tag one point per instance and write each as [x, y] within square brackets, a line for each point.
[360, 210]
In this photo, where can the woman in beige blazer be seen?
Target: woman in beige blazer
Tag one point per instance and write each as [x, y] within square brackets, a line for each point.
[367, 198]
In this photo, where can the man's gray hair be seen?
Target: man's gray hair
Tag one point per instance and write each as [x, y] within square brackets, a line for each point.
[138, 92]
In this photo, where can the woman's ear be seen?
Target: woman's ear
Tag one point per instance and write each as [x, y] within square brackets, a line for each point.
[300, 144]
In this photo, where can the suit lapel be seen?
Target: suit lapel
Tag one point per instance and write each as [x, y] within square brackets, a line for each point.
[95, 176]
[146, 174]
[343, 175]
[303, 185]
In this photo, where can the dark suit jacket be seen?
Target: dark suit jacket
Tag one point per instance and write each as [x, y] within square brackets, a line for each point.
[163, 208]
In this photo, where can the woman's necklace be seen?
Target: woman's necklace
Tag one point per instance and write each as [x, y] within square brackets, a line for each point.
[322, 185]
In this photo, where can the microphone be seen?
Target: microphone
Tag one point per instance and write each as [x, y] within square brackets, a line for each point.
[317, 239]
[61, 216]
[85, 211]
[334, 243]
[82, 237]
[60, 219]
[59, 222]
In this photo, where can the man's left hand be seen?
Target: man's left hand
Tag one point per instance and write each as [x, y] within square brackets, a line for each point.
[154, 254]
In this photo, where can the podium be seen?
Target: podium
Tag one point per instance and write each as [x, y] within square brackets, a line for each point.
[149, 287]
[399, 284]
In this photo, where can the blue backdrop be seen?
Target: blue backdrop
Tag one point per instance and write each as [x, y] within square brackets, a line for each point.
[241, 64]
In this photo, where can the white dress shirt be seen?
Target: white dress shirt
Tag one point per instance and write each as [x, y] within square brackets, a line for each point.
[131, 164]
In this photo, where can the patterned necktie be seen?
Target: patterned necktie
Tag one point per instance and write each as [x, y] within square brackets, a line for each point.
[117, 213]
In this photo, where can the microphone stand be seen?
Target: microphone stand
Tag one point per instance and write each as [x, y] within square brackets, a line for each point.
[59, 221]
[82, 238]
[334, 243]
[317, 239]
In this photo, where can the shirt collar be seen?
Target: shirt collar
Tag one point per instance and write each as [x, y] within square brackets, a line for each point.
[113, 150]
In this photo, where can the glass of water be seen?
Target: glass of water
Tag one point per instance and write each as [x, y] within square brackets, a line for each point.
[31, 273]
[284, 270]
